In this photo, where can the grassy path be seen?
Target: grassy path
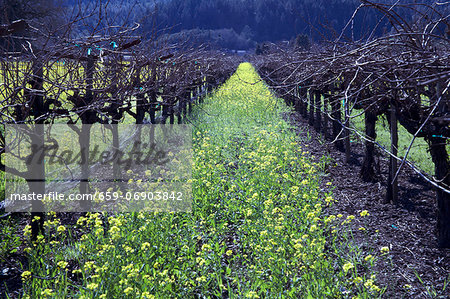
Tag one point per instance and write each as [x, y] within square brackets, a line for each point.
[258, 227]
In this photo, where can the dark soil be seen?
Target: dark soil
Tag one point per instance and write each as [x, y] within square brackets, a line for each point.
[419, 269]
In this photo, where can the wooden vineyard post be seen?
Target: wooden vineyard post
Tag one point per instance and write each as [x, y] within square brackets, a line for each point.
[298, 103]
[296, 99]
[140, 99]
[171, 113]
[152, 95]
[367, 169]
[325, 116]
[180, 111]
[318, 117]
[336, 114]
[392, 185]
[440, 159]
[311, 107]
[152, 105]
[347, 131]
[37, 183]
[287, 97]
[190, 105]
[304, 99]
[165, 112]
[85, 132]
[204, 90]
[186, 99]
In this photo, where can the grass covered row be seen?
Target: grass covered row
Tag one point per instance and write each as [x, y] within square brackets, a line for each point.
[259, 226]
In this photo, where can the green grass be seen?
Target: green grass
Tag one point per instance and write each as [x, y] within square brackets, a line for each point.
[258, 229]
[419, 153]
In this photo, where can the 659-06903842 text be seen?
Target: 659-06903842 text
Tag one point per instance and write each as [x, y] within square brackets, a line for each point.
[100, 196]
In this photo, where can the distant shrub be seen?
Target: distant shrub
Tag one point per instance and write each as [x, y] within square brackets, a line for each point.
[219, 38]
[262, 48]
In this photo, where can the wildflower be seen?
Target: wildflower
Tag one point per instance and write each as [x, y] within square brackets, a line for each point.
[297, 246]
[145, 245]
[62, 264]
[123, 281]
[114, 230]
[201, 279]
[88, 265]
[347, 266]
[364, 213]
[375, 288]
[329, 199]
[384, 249]
[26, 275]
[200, 261]
[92, 286]
[229, 252]
[128, 249]
[147, 295]
[81, 220]
[330, 218]
[369, 284]
[128, 290]
[251, 294]
[27, 230]
[47, 293]
[61, 229]
[368, 258]
[206, 247]
[276, 210]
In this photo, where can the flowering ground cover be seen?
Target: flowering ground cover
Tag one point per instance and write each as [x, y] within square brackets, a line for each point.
[259, 226]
